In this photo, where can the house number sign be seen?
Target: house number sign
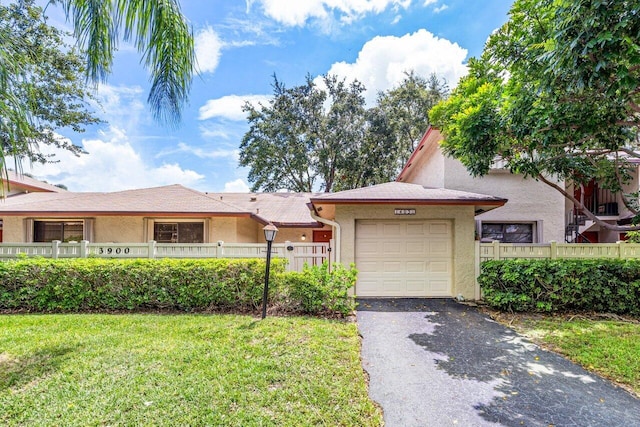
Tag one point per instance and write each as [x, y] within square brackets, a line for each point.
[404, 212]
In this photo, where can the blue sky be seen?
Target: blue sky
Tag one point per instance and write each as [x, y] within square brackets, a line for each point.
[240, 46]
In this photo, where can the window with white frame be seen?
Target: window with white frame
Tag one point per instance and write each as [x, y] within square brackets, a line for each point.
[178, 232]
[514, 232]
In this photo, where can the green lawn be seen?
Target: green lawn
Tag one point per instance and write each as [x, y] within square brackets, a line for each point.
[610, 348]
[98, 370]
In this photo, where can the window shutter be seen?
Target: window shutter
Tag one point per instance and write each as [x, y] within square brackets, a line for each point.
[28, 230]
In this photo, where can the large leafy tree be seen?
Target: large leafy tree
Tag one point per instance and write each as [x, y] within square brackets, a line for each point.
[407, 107]
[51, 80]
[555, 94]
[324, 136]
[157, 29]
[310, 137]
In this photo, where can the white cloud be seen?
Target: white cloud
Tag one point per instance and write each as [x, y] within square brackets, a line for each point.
[207, 46]
[382, 61]
[122, 106]
[230, 107]
[111, 165]
[430, 2]
[237, 186]
[200, 152]
[440, 8]
[297, 13]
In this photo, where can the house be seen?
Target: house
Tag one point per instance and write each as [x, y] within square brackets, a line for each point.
[168, 214]
[536, 213]
[406, 240]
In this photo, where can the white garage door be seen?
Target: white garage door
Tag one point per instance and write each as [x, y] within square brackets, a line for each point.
[397, 258]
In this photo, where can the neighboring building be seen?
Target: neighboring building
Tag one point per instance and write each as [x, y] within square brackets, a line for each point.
[536, 213]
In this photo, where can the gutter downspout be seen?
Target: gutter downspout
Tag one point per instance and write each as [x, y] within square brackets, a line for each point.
[333, 224]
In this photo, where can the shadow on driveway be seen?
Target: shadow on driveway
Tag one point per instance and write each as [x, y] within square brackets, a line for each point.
[438, 362]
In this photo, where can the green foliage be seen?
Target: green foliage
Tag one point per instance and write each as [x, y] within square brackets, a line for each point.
[45, 285]
[46, 78]
[322, 135]
[556, 93]
[318, 290]
[601, 285]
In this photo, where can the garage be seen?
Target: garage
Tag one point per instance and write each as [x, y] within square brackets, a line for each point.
[397, 258]
[406, 240]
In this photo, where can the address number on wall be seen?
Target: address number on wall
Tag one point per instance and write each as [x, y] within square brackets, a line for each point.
[111, 251]
[404, 212]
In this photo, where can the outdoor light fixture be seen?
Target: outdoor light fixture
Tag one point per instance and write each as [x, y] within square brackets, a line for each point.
[303, 237]
[270, 232]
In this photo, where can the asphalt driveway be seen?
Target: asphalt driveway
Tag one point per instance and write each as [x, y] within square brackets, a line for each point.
[434, 362]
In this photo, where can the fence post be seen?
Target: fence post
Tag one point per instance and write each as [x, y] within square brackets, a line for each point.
[496, 249]
[55, 249]
[152, 249]
[553, 249]
[288, 254]
[84, 248]
[477, 270]
[219, 250]
[620, 250]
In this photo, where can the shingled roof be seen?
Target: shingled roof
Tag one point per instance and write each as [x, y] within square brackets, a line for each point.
[401, 193]
[280, 209]
[167, 200]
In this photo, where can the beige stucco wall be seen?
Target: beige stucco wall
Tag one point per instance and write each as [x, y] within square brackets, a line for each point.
[429, 168]
[463, 236]
[118, 229]
[529, 200]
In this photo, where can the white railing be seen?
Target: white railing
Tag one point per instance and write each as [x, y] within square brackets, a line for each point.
[297, 254]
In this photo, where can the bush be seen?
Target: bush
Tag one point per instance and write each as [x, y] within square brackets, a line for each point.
[318, 290]
[72, 285]
[601, 285]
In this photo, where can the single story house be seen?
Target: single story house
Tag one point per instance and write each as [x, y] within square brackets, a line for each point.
[406, 240]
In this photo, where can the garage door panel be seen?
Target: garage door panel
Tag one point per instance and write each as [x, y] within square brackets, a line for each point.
[439, 267]
[416, 248]
[441, 228]
[416, 267]
[416, 229]
[367, 267]
[391, 230]
[404, 258]
[392, 266]
[392, 248]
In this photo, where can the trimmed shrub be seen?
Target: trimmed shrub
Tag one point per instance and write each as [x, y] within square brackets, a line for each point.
[600, 285]
[318, 290]
[72, 285]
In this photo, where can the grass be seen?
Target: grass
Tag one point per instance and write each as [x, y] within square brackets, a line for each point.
[95, 370]
[609, 348]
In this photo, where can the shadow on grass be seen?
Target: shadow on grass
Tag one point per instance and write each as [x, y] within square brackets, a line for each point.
[16, 373]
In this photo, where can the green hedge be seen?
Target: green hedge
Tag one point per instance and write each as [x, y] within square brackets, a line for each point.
[600, 285]
[73, 285]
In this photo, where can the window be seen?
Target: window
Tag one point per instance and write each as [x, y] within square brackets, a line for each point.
[508, 232]
[178, 232]
[65, 231]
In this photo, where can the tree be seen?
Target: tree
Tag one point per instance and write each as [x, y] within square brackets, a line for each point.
[157, 29]
[555, 94]
[407, 108]
[51, 79]
[309, 138]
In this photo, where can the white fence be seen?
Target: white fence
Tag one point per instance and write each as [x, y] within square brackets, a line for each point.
[553, 250]
[297, 254]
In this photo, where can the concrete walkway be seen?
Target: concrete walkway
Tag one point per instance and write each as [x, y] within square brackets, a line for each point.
[434, 362]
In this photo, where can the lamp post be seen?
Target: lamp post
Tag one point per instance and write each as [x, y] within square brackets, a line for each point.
[270, 232]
